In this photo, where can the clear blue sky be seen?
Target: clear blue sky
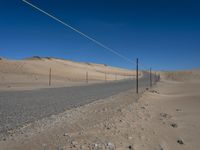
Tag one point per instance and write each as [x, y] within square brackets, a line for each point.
[164, 34]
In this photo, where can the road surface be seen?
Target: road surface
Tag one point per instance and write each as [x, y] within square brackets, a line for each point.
[20, 107]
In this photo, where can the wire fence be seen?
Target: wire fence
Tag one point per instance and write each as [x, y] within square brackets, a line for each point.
[89, 76]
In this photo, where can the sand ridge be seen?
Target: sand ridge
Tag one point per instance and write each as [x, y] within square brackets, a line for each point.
[34, 73]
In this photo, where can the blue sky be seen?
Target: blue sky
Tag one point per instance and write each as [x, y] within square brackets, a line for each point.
[163, 34]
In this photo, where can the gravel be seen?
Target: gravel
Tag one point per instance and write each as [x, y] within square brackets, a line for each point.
[20, 107]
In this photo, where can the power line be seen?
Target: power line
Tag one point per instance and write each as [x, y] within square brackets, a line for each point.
[81, 33]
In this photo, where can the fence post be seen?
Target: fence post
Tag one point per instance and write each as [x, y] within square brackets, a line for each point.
[86, 76]
[137, 76]
[105, 73]
[50, 77]
[105, 77]
[150, 78]
[115, 77]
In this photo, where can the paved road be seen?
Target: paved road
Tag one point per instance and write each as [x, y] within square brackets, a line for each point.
[19, 107]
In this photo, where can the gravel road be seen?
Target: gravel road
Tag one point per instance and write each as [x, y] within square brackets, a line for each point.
[20, 107]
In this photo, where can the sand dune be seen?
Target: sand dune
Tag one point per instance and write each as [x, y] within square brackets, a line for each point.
[34, 72]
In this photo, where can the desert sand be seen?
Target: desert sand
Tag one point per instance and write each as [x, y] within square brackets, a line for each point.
[165, 117]
[34, 72]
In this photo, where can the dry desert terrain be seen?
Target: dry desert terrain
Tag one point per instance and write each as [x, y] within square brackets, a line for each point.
[165, 117]
[34, 73]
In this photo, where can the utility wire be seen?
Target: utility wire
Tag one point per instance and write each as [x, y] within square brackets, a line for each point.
[81, 33]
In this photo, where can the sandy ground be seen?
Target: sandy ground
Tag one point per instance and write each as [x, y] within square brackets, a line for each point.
[163, 118]
[34, 73]
[190, 75]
